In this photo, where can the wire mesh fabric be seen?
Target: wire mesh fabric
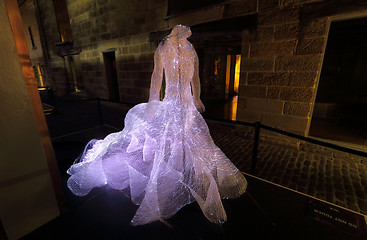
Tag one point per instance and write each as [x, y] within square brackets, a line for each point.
[164, 157]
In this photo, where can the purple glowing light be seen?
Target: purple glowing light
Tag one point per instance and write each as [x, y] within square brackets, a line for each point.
[165, 155]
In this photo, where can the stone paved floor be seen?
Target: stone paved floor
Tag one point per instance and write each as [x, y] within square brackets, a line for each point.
[331, 175]
[327, 174]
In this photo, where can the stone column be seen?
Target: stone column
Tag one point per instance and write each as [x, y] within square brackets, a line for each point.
[27, 162]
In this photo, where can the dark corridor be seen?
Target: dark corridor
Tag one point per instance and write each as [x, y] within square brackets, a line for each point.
[340, 108]
[111, 75]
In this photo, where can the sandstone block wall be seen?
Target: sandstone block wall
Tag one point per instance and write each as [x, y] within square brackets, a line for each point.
[55, 75]
[135, 66]
[281, 60]
[121, 25]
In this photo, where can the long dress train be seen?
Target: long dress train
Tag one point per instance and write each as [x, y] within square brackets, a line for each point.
[164, 156]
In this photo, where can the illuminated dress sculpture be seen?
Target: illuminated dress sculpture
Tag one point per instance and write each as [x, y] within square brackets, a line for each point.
[165, 156]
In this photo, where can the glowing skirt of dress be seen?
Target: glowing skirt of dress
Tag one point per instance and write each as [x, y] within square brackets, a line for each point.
[165, 159]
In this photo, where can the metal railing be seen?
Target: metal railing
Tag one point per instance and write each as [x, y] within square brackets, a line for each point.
[257, 130]
[258, 126]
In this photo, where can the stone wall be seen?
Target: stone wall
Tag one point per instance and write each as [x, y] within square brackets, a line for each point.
[99, 25]
[134, 58]
[282, 52]
[27, 162]
[135, 65]
[54, 71]
[30, 24]
[281, 60]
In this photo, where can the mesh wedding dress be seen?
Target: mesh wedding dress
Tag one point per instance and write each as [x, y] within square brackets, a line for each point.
[164, 157]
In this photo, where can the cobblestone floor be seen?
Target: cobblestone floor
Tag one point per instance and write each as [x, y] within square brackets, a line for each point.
[327, 174]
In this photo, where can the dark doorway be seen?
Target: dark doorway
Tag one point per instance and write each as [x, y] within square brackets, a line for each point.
[111, 75]
[341, 102]
[219, 74]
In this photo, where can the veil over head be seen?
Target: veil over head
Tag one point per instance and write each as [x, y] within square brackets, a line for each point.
[180, 31]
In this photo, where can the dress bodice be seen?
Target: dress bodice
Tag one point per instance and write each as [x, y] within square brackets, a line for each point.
[178, 59]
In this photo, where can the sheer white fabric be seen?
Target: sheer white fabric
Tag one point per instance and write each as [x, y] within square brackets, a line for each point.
[164, 157]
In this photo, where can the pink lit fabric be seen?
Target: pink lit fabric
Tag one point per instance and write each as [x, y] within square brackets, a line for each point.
[165, 157]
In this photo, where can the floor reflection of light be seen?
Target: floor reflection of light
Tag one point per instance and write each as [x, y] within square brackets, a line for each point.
[232, 80]
[237, 73]
[40, 76]
[236, 84]
[234, 108]
[228, 74]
